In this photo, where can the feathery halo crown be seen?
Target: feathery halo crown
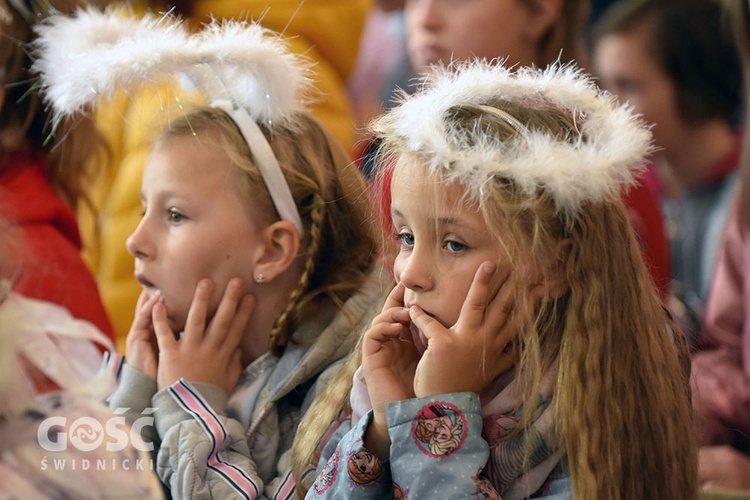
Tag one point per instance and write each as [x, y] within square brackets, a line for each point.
[606, 156]
[241, 67]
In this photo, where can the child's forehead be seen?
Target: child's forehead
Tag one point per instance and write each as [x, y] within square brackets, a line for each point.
[418, 194]
[419, 182]
[190, 160]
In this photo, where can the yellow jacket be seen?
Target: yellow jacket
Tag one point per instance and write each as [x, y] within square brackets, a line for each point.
[326, 31]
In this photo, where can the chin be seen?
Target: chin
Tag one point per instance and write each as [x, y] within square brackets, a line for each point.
[178, 328]
[177, 324]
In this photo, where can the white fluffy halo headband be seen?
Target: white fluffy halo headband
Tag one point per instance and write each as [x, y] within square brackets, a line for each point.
[241, 68]
[606, 156]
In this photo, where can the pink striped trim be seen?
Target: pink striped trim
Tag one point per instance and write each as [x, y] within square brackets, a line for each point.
[192, 402]
[112, 362]
[287, 488]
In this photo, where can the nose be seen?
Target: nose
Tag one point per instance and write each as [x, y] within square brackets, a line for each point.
[139, 244]
[425, 14]
[417, 271]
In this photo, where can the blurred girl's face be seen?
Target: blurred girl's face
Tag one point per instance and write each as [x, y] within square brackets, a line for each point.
[457, 30]
[624, 67]
[196, 224]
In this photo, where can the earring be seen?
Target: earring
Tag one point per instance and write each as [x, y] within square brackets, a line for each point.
[260, 278]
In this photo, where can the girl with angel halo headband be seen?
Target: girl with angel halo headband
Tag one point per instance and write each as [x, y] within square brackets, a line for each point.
[523, 308]
[256, 252]
[325, 32]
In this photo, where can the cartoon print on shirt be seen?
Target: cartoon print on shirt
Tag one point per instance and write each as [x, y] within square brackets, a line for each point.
[439, 429]
[398, 493]
[364, 467]
[485, 490]
[327, 475]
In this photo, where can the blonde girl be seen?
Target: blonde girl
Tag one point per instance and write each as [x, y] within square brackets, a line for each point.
[522, 304]
[255, 251]
[526, 33]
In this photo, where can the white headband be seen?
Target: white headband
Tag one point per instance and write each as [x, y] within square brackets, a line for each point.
[85, 58]
[267, 163]
[607, 156]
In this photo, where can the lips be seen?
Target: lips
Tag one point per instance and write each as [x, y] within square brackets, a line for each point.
[431, 54]
[144, 282]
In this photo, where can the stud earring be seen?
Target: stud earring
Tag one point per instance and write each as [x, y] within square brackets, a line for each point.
[260, 278]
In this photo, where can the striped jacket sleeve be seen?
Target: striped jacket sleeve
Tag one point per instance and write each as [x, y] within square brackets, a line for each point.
[203, 453]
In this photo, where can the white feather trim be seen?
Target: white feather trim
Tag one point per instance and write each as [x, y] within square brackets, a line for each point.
[596, 169]
[87, 57]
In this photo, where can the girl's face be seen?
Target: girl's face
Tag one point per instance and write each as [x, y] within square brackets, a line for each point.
[196, 224]
[624, 66]
[444, 432]
[457, 30]
[441, 245]
[364, 461]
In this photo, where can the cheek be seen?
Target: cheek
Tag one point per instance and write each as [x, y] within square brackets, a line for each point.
[656, 101]
[178, 305]
[456, 291]
[179, 295]
[233, 264]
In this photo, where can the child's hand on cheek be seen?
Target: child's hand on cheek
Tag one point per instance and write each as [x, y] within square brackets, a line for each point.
[389, 359]
[472, 353]
[208, 354]
[141, 351]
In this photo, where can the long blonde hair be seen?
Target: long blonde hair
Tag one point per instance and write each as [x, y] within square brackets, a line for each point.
[341, 245]
[621, 396]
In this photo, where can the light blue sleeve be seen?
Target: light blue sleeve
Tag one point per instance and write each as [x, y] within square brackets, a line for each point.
[347, 470]
[437, 449]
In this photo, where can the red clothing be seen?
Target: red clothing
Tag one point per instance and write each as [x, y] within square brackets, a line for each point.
[49, 265]
[648, 221]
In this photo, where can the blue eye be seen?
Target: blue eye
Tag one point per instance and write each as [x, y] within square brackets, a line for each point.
[405, 239]
[175, 216]
[454, 246]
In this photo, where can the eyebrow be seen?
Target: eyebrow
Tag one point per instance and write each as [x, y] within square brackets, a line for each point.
[443, 221]
[166, 194]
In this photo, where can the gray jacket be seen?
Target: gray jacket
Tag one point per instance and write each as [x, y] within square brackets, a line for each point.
[210, 446]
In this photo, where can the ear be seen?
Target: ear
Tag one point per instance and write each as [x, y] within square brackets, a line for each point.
[543, 14]
[281, 248]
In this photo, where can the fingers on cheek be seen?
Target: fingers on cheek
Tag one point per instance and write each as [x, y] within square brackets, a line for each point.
[203, 291]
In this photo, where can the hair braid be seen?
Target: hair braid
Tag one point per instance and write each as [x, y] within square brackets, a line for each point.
[286, 321]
